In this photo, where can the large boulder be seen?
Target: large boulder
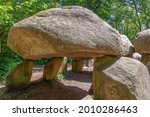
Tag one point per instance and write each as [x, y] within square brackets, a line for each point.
[69, 31]
[142, 42]
[120, 78]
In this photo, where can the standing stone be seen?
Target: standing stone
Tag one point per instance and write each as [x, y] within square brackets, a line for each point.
[77, 65]
[71, 31]
[20, 76]
[53, 67]
[145, 58]
[120, 78]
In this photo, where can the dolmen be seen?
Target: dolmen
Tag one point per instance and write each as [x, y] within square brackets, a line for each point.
[142, 45]
[77, 32]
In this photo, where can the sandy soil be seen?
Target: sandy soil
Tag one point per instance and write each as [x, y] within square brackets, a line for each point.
[75, 86]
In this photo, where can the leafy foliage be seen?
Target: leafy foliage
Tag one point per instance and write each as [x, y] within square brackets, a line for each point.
[62, 75]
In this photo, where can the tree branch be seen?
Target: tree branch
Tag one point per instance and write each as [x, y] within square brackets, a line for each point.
[137, 15]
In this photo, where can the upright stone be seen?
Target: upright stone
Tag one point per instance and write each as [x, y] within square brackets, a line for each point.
[120, 78]
[20, 76]
[77, 65]
[53, 67]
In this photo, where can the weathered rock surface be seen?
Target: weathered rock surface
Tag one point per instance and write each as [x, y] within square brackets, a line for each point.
[128, 46]
[148, 66]
[20, 76]
[89, 62]
[145, 58]
[53, 67]
[69, 31]
[120, 78]
[136, 56]
[77, 65]
[142, 42]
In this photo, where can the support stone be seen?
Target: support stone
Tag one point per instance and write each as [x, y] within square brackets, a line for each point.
[77, 65]
[120, 78]
[53, 67]
[145, 58]
[20, 76]
[65, 67]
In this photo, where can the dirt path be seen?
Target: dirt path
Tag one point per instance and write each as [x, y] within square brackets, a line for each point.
[75, 87]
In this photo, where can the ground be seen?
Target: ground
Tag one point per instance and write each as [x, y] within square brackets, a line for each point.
[75, 86]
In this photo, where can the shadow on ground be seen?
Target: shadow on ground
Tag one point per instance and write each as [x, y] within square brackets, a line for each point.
[85, 76]
[75, 87]
[42, 90]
